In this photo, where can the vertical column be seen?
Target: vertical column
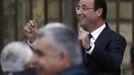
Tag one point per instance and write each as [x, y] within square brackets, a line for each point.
[45, 11]
[30, 9]
[16, 20]
[1, 24]
[132, 20]
[117, 15]
[60, 11]
[75, 20]
[1, 28]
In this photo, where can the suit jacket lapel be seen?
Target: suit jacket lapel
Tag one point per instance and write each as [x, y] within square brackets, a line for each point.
[103, 37]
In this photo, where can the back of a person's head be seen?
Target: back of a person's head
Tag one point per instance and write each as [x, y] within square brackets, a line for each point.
[101, 4]
[14, 56]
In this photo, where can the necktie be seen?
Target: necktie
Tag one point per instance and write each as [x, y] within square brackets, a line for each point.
[90, 36]
[85, 55]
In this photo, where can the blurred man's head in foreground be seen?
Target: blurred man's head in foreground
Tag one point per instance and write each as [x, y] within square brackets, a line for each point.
[56, 49]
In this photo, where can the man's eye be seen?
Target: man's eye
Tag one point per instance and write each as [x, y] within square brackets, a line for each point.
[78, 7]
[39, 53]
[84, 8]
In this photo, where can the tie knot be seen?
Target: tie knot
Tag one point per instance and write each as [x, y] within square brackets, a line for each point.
[90, 36]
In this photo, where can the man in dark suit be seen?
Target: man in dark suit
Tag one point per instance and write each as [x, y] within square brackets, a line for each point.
[57, 51]
[102, 48]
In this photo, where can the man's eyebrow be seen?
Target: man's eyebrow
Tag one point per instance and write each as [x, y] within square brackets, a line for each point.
[35, 49]
[84, 5]
[38, 51]
[81, 4]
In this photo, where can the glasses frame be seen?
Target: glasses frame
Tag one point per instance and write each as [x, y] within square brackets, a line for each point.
[82, 8]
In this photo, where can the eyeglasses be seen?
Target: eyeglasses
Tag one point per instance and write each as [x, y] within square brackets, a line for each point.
[83, 8]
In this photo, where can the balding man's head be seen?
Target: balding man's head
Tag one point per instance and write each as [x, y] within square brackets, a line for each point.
[14, 56]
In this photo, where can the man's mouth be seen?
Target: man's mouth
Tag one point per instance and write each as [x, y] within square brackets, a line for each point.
[80, 19]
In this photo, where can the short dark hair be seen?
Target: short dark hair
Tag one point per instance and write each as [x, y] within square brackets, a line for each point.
[101, 4]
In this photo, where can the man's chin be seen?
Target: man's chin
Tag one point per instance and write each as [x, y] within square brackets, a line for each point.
[83, 25]
[41, 73]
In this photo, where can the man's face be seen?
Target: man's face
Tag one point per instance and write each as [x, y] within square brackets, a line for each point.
[47, 61]
[85, 12]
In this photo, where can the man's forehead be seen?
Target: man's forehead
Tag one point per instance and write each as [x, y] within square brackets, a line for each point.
[86, 2]
[42, 42]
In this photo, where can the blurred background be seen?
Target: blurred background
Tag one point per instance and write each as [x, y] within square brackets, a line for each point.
[14, 14]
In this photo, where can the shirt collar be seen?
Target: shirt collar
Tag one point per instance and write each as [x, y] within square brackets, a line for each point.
[97, 32]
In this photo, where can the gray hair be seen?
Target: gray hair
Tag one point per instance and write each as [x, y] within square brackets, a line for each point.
[14, 56]
[62, 37]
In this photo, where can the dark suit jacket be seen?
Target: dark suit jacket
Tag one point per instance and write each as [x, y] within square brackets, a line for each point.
[76, 70]
[25, 72]
[107, 55]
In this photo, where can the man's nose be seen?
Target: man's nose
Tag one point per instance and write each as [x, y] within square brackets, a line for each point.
[78, 12]
[32, 63]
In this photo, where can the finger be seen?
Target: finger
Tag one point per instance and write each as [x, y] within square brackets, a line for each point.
[87, 39]
[35, 23]
[83, 32]
[86, 32]
[32, 29]
[79, 33]
[26, 29]
[29, 27]
[32, 23]
[80, 30]
[80, 37]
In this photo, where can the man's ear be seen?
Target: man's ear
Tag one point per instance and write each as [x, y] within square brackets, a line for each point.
[64, 58]
[99, 11]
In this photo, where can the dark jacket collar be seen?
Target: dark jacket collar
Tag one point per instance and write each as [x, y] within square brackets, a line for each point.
[75, 70]
[103, 35]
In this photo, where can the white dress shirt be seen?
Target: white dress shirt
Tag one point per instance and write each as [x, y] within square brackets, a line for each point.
[95, 35]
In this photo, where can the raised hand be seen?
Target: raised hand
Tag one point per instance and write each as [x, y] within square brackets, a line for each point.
[30, 30]
[83, 37]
